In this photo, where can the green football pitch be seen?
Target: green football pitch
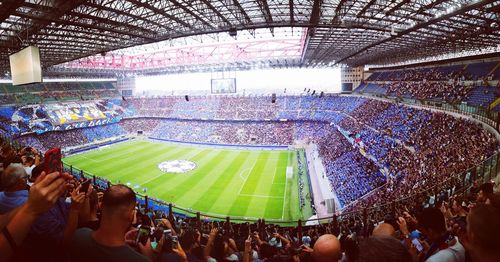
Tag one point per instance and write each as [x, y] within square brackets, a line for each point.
[226, 182]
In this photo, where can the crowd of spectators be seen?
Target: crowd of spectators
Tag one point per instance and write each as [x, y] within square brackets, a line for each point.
[72, 137]
[225, 132]
[446, 73]
[245, 108]
[48, 217]
[418, 148]
[453, 92]
[103, 132]
[7, 99]
[350, 174]
[134, 125]
[452, 84]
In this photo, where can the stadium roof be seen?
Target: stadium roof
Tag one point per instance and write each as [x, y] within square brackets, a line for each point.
[344, 31]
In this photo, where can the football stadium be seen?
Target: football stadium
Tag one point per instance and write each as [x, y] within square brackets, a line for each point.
[241, 130]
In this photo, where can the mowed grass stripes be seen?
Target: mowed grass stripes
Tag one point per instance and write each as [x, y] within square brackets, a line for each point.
[238, 183]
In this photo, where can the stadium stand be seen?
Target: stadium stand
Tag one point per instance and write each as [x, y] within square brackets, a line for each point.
[56, 92]
[154, 211]
[404, 168]
[471, 84]
[400, 138]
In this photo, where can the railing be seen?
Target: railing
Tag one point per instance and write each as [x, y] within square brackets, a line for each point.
[455, 184]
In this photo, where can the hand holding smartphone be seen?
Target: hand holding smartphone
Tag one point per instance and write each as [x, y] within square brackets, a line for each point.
[84, 188]
[142, 234]
[417, 244]
[159, 222]
[52, 161]
[174, 242]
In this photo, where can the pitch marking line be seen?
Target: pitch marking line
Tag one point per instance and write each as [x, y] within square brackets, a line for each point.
[286, 184]
[266, 196]
[246, 178]
[151, 179]
[93, 160]
[242, 171]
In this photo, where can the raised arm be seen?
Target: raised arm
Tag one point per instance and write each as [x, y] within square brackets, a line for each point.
[43, 194]
[210, 243]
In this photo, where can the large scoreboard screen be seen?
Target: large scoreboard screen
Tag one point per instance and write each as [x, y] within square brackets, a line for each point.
[223, 85]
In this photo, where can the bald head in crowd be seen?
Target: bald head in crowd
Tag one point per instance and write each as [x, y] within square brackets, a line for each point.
[384, 230]
[118, 202]
[327, 248]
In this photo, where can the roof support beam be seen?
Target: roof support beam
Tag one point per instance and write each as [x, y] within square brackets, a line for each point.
[242, 11]
[223, 18]
[315, 16]
[82, 25]
[160, 12]
[8, 7]
[113, 23]
[337, 11]
[187, 10]
[396, 7]
[365, 8]
[264, 8]
[120, 12]
[61, 7]
[417, 27]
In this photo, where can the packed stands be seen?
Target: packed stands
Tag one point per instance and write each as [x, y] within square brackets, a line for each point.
[403, 141]
[475, 84]
[56, 92]
[450, 203]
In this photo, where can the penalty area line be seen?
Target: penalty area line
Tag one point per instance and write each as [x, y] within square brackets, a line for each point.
[241, 174]
[246, 178]
[265, 196]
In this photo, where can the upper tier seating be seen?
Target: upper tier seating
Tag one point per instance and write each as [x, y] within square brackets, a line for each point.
[450, 84]
[474, 71]
[56, 91]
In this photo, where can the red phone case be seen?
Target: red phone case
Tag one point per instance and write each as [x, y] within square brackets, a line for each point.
[52, 161]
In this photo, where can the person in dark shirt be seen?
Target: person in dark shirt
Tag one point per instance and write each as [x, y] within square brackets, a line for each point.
[107, 243]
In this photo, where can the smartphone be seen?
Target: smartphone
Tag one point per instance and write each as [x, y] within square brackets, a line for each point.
[157, 234]
[417, 244]
[167, 233]
[142, 234]
[85, 186]
[52, 161]
[174, 242]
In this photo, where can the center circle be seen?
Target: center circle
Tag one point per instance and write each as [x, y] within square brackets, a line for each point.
[176, 166]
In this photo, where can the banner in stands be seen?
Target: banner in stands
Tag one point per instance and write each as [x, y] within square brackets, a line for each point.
[73, 112]
[16, 120]
[97, 122]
